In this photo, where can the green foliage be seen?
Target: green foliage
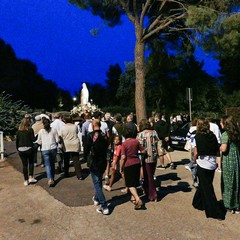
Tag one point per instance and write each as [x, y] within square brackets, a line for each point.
[20, 79]
[228, 36]
[112, 82]
[11, 113]
[217, 26]
[125, 94]
[201, 18]
[233, 100]
[118, 109]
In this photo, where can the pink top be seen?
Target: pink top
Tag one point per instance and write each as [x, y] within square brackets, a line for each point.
[130, 148]
[117, 152]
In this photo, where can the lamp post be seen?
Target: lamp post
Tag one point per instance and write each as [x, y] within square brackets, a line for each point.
[189, 98]
[74, 100]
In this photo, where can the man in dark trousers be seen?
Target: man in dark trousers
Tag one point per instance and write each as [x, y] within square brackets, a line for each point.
[96, 148]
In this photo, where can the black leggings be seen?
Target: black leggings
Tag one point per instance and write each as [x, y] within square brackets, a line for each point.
[27, 158]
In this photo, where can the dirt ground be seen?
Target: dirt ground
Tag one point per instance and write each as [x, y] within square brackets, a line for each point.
[66, 211]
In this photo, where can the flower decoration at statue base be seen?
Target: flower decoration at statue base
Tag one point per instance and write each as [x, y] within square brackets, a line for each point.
[82, 108]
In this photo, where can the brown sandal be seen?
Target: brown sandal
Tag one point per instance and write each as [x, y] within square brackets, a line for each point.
[138, 204]
[133, 201]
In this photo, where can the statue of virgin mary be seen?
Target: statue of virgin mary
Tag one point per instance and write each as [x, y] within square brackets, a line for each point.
[84, 94]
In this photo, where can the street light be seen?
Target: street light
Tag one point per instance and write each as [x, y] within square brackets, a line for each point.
[189, 99]
[74, 100]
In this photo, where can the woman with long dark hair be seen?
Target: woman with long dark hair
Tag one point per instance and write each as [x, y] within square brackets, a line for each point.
[230, 164]
[148, 139]
[24, 144]
[205, 153]
[48, 139]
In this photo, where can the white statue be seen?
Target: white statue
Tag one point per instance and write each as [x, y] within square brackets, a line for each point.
[84, 94]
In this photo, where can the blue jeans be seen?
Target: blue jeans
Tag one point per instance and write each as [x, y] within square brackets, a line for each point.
[97, 183]
[49, 157]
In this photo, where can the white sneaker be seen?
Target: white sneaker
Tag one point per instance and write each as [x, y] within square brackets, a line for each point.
[195, 184]
[188, 168]
[124, 190]
[108, 188]
[107, 180]
[95, 202]
[25, 183]
[32, 180]
[104, 211]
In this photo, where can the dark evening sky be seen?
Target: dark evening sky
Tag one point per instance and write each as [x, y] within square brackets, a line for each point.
[56, 36]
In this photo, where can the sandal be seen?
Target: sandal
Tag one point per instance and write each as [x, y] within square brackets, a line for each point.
[133, 201]
[51, 183]
[138, 204]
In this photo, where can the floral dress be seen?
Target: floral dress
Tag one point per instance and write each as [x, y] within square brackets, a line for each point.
[148, 140]
[230, 174]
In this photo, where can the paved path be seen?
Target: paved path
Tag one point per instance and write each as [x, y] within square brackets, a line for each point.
[66, 211]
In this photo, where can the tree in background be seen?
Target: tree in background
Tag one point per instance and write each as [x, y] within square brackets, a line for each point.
[125, 94]
[112, 82]
[98, 94]
[150, 19]
[21, 79]
[11, 113]
[217, 26]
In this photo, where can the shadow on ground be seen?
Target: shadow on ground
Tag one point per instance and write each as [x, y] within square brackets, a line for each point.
[73, 192]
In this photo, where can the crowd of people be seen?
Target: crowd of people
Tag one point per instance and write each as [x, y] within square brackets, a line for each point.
[116, 146]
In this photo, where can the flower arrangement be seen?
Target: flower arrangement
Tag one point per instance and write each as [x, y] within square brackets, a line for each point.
[81, 108]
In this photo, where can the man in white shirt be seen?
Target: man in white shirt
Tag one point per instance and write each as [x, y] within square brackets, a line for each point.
[57, 124]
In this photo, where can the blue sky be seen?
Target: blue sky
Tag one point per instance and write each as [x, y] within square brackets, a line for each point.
[56, 36]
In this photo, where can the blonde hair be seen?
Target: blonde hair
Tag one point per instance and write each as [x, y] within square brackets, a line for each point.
[24, 125]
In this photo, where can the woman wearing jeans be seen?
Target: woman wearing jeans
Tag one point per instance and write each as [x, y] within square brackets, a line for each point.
[49, 139]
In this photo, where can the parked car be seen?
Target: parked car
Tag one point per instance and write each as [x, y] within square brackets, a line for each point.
[177, 138]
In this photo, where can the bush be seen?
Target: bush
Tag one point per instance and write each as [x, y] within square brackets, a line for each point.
[118, 109]
[11, 114]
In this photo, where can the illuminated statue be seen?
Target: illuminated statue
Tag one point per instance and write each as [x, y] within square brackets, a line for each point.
[84, 94]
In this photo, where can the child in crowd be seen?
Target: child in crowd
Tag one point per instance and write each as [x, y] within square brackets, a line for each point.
[116, 157]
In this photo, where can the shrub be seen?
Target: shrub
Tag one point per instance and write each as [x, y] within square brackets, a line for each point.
[11, 113]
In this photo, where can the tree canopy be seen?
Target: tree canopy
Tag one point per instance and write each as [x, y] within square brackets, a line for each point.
[20, 79]
[159, 19]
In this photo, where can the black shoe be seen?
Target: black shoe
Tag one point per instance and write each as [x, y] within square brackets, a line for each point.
[51, 183]
[161, 167]
[66, 175]
[172, 166]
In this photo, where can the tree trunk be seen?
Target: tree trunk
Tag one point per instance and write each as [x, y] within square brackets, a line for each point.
[140, 100]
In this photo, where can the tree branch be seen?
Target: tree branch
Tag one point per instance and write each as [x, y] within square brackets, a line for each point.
[144, 12]
[163, 24]
[135, 10]
[125, 6]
